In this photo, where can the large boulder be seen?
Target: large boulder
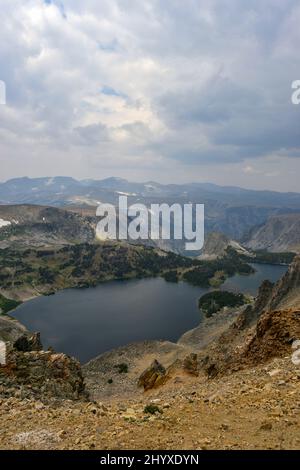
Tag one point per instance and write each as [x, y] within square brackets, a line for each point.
[153, 376]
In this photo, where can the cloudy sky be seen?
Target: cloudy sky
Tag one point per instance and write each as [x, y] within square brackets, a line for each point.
[166, 90]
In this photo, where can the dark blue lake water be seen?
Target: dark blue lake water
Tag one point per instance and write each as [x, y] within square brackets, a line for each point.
[86, 322]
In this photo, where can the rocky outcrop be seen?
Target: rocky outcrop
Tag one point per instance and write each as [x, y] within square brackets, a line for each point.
[27, 343]
[153, 376]
[275, 332]
[190, 364]
[287, 290]
[29, 372]
[263, 297]
[157, 375]
[270, 338]
[251, 313]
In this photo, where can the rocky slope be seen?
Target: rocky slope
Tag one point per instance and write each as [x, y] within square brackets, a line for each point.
[10, 329]
[262, 331]
[32, 226]
[280, 233]
[28, 273]
[286, 292]
[253, 409]
[104, 379]
[216, 245]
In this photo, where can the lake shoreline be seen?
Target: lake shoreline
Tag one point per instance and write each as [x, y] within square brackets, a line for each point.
[187, 297]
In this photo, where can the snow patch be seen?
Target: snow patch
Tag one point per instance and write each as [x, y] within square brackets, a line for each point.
[4, 223]
[49, 182]
[125, 194]
[84, 200]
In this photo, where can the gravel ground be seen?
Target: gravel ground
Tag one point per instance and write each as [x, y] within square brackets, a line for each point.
[257, 408]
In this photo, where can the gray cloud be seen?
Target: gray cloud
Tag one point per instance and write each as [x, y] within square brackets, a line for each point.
[160, 87]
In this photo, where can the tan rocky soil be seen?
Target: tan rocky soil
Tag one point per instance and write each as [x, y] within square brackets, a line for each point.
[100, 371]
[257, 408]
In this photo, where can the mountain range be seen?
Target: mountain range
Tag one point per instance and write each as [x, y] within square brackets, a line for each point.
[258, 219]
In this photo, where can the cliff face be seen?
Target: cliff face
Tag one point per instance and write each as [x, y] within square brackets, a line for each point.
[280, 233]
[286, 292]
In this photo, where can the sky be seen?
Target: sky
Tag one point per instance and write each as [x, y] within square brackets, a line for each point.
[166, 90]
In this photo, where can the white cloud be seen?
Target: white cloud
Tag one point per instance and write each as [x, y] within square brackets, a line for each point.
[250, 170]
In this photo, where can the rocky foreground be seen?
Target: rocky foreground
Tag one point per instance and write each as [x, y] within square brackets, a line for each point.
[254, 409]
